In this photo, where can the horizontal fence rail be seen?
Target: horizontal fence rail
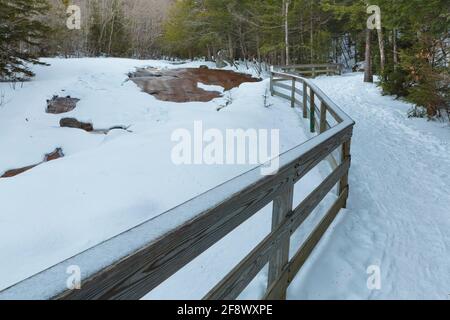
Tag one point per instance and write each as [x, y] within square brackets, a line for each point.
[135, 262]
[312, 70]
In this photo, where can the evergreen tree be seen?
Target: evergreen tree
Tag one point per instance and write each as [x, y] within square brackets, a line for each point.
[21, 30]
[419, 68]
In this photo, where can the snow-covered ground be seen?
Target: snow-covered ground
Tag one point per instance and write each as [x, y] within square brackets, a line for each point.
[398, 215]
[107, 184]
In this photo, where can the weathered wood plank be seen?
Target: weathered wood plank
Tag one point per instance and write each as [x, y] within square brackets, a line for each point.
[336, 112]
[136, 275]
[271, 83]
[332, 161]
[140, 272]
[306, 249]
[293, 93]
[312, 109]
[328, 147]
[282, 206]
[312, 200]
[281, 77]
[323, 117]
[345, 156]
[308, 66]
[334, 115]
[316, 123]
[305, 100]
[282, 85]
[282, 95]
[315, 72]
[302, 164]
[238, 279]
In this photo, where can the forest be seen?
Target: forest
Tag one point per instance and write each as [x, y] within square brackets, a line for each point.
[409, 52]
[224, 150]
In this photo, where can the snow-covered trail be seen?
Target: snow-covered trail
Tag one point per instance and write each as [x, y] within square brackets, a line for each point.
[398, 216]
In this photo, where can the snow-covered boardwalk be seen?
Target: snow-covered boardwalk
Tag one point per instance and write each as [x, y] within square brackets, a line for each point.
[398, 215]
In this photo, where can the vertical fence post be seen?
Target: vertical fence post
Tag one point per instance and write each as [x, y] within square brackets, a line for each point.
[293, 93]
[345, 154]
[312, 109]
[313, 72]
[323, 117]
[271, 83]
[305, 100]
[282, 206]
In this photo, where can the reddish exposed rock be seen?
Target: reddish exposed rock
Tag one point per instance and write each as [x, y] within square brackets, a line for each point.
[15, 172]
[59, 105]
[58, 153]
[181, 85]
[74, 123]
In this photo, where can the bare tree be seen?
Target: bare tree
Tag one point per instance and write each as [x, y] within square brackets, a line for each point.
[286, 4]
[381, 46]
[141, 21]
[368, 75]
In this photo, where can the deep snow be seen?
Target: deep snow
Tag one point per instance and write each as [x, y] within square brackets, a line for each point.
[398, 215]
[108, 184]
[398, 211]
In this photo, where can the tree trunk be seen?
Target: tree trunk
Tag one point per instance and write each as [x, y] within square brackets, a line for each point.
[258, 50]
[242, 44]
[208, 53]
[381, 46]
[394, 44]
[230, 49]
[111, 34]
[311, 33]
[368, 75]
[286, 29]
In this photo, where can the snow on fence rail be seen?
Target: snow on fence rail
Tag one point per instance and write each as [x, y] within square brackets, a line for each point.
[135, 262]
[313, 70]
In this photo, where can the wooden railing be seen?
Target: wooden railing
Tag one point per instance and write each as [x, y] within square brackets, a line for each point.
[313, 70]
[135, 262]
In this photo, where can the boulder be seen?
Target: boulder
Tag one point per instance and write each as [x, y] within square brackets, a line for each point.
[58, 153]
[74, 123]
[59, 105]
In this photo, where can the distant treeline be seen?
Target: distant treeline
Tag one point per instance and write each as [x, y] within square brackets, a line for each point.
[410, 52]
[120, 28]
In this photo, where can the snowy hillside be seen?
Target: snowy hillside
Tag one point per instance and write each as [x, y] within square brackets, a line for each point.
[107, 184]
[398, 215]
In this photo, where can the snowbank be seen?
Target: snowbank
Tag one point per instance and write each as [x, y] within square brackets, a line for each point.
[398, 217]
[107, 184]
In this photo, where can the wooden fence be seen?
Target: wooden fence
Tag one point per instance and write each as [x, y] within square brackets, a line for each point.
[162, 246]
[312, 70]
